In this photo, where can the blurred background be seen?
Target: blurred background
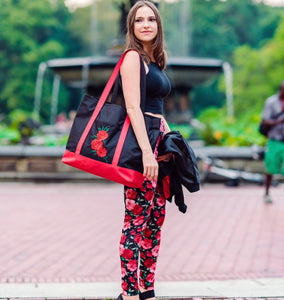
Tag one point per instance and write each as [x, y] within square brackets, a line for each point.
[224, 59]
[229, 55]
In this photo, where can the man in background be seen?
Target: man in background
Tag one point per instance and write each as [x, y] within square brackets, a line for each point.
[273, 115]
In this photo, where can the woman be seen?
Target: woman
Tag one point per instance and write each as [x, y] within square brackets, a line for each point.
[145, 207]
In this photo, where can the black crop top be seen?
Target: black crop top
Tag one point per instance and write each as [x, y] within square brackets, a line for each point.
[157, 88]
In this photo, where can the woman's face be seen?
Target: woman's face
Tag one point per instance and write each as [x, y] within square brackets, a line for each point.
[145, 25]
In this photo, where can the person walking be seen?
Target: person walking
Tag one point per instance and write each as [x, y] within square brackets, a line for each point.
[144, 207]
[273, 115]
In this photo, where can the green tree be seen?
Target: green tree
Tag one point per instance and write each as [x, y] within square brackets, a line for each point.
[31, 32]
[258, 72]
[216, 29]
[96, 27]
[257, 75]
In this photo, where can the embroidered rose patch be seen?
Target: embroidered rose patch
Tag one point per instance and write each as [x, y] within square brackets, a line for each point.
[98, 143]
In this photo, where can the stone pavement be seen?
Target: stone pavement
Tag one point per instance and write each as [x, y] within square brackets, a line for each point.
[61, 241]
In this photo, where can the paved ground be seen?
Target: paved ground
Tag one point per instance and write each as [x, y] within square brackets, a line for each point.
[69, 233]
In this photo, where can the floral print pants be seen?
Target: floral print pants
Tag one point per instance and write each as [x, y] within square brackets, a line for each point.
[141, 235]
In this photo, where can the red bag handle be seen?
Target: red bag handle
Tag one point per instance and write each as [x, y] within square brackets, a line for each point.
[98, 108]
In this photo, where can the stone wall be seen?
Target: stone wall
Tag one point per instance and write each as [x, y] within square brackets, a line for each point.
[37, 163]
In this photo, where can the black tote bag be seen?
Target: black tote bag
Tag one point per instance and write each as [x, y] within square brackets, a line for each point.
[102, 141]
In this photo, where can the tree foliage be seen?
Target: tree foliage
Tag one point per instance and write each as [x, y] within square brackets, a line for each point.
[36, 31]
[96, 28]
[216, 29]
[257, 75]
[258, 72]
[31, 32]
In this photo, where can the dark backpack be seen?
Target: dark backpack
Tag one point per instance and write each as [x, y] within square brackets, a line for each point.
[265, 128]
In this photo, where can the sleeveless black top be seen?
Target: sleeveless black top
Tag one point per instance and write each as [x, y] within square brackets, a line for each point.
[157, 88]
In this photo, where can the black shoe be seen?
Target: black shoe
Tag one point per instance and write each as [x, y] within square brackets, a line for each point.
[147, 295]
[120, 297]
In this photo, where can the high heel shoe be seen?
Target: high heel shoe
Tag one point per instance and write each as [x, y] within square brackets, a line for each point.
[147, 295]
[120, 297]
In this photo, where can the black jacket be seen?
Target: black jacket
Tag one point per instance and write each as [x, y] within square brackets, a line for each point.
[180, 170]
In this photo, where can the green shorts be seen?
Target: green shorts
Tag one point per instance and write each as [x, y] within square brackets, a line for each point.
[274, 157]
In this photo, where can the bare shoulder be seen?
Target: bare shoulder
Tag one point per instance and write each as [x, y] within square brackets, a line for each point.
[132, 55]
[131, 59]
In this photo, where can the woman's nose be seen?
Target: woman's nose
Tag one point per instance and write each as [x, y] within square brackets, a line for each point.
[146, 24]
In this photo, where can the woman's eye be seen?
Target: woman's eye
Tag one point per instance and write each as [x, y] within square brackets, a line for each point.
[137, 20]
[152, 20]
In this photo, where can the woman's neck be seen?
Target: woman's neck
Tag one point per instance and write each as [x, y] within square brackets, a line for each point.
[149, 50]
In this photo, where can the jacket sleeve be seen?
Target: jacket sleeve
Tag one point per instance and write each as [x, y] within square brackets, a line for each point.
[185, 159]
[182, 170]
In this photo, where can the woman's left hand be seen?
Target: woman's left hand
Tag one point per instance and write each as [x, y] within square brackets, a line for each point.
[166, 157]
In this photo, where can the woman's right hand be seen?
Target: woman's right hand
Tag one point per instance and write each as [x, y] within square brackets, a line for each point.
[150, 166]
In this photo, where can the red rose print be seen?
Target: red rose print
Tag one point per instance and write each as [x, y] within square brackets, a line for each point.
[155, 251]
[121, 249]
[137, 238]
[143, 227]
[102, 152]
[102, 135]
[130, 194]
[149, 195]
[156, 214]
[150, 277]
[124, 286]
[160, 221]
[127, 253]
[138, 221]
[149, 185]
[127, 218]
[131, 279]
[137, 210]
[146, 243]
[142, 284]
[153, 268]
[160, 201]
[123, 272]
[132, 265]
[142, 255]
[148, 262]
[149, 254]
[163, 211]
[96, 145]
[126, 225]
[147, 232]
[158, 236]
[123, 238]
[130, 204]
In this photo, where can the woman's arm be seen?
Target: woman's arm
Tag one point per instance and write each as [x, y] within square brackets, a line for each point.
[167, 128]
[167, 156]
[130, 75]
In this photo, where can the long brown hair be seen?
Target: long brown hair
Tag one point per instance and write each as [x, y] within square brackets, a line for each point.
[158, 44]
